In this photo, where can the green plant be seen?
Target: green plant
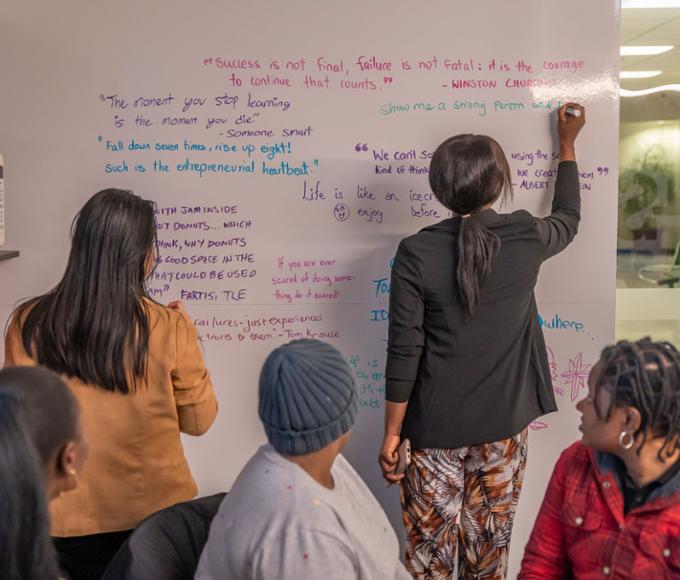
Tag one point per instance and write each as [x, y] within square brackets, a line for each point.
[646, 190]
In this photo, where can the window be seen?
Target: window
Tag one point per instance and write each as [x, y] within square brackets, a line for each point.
[648, 264]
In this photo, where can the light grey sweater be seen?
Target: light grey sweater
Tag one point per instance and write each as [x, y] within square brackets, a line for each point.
[279, 523]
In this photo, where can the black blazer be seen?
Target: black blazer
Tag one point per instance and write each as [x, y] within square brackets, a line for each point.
[479, 380]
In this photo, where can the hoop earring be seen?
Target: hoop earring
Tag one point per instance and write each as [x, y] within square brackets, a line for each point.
[628, 444]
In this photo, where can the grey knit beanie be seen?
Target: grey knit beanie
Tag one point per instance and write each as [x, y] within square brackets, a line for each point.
[308, 398]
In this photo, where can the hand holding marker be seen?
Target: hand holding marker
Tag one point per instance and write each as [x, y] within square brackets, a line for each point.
[571, 118]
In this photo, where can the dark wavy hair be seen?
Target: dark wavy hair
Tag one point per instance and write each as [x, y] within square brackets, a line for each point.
[26, 551]
[468, 172]
[644, 375]
[94, 324]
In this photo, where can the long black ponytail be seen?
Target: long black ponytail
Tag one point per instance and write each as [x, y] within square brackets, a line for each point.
[467, 173]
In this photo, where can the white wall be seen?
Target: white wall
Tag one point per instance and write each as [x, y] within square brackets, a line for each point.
[65, 64]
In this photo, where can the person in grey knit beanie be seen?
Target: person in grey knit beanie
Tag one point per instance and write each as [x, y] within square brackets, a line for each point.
[308, 397]
[298, 509]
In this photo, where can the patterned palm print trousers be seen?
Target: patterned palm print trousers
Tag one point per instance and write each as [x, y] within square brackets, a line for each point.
[460, 504]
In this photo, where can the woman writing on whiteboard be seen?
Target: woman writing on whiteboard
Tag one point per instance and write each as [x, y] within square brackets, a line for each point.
[134, 366]
[467, 369]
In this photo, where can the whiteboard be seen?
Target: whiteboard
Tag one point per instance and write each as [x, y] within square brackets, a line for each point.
[286, 145]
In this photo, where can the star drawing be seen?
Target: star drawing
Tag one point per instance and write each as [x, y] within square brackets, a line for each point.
[577, 375]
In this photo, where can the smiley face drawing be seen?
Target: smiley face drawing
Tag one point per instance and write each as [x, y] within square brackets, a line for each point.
[341, 212]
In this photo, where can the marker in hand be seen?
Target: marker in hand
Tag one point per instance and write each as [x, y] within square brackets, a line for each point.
[572, 112]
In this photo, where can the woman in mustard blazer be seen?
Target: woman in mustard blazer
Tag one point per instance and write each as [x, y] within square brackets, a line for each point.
[135, 367]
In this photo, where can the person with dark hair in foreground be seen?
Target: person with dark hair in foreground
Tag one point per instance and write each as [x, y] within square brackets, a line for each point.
[41, 452]
[612, 507]
[467, 369]
[297, 509]
[137, 371]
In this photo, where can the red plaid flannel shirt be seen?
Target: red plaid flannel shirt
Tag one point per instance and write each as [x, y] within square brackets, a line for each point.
[582, 532]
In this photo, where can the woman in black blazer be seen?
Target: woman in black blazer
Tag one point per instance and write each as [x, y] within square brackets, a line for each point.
[467, 369]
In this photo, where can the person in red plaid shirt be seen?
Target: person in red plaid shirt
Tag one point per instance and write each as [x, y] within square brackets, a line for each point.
[612, 508]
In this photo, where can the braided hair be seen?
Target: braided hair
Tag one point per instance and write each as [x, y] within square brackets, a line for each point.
[644, 375]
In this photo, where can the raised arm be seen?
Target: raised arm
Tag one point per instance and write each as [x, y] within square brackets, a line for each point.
[559, 228]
